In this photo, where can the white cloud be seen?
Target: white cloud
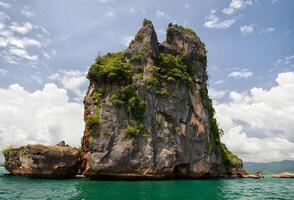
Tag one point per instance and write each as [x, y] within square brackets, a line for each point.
[23, 54]
[22, 42]
[126, 40]
[5, 5]
[213, 22]
[105, 1]
[267, 30]
[187, 5]
[72, 80]
[267, 112]
[286, 61]
[21, 28]
[46, 55]
[16, 48]
[132, 10]
[237, 5]
[109, 12]
[161, 14]
[26, 11]
[3, 72]
[245, 30]
[44, 116]
[244, 73]
[219, 82]
[217, 94]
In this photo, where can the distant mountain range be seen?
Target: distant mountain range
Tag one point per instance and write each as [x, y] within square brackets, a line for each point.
[270, 167]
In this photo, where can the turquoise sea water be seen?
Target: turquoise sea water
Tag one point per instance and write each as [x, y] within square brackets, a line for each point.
[24, 188]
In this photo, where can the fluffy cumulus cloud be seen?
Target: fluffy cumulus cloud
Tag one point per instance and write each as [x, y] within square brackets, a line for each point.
[212, 21]
[240, 74]
[269, 114]
[44, 116]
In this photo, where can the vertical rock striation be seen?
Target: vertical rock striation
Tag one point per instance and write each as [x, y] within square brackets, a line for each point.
[148, 113]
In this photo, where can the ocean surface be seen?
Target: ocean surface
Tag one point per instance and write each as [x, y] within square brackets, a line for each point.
[24, 188]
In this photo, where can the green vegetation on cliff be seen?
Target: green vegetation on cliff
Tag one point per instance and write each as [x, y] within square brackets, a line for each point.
[169, 69]
[215, 131]
[127, 98]
[112, 74]
[111, 69]
[115, 77]
[229, 159]
[93, 123]
[6, 150]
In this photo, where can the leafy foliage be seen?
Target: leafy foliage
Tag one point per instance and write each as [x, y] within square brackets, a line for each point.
[111, 69]
[133, 131]
[215, 131]
[133, 105]
[6, 150]
[146, 21]
[93, 123]
[229, 158]
[169, 69]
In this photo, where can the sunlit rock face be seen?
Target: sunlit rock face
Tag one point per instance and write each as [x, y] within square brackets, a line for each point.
[42, 161]
[148, 114]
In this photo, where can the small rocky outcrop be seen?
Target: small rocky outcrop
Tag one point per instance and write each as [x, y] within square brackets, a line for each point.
[284, 175]
[148, 113]
[42, 161]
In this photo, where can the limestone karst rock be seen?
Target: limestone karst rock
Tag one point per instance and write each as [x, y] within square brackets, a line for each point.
[148, 113]
[42, 161]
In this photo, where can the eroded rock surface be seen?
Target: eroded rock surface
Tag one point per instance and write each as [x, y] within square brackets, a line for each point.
[148, 113]
[42, 161]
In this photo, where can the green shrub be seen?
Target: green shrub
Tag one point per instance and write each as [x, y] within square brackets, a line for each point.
[169, 68]
[93, 124]
[132, 131]
[136, 108]
[133, 105]
[111, 69]
[215, 131]
[146, 21]
[189, 30]
[229, 159]
[6, 149]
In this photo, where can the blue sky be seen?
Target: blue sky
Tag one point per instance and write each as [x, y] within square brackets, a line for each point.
[46, 48]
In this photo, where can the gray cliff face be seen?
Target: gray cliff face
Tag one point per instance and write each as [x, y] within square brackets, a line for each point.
[174, 136]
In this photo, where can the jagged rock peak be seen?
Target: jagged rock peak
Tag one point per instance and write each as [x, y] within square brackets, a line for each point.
[145, 41]
[184, 41]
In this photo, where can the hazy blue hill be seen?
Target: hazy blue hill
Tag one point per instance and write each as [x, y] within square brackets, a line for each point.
[270, 167]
